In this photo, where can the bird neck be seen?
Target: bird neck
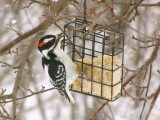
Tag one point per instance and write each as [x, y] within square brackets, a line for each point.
[51, 54]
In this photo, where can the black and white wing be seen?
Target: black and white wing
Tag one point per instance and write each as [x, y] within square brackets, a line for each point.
[57, 75]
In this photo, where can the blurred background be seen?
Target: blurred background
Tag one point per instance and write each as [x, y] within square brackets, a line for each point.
[138, 20]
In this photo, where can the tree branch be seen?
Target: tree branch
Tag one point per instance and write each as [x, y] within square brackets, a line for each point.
[147, 63]
[93, 116]
[148, 84]
[27, 96]
[24, 36]
[152, 103]
[23, 62]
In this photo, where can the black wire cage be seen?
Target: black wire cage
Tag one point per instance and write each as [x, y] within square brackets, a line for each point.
[98, 56]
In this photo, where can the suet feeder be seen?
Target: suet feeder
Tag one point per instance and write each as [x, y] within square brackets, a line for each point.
[98, 56]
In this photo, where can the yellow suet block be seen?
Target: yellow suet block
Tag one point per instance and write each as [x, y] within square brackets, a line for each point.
[101, 78]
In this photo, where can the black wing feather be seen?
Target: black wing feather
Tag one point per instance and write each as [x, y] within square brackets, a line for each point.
[57, 74]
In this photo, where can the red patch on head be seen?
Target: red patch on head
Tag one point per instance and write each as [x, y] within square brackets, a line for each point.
[40, 44]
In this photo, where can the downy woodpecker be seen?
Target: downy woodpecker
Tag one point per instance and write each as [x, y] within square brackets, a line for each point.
[57, 64]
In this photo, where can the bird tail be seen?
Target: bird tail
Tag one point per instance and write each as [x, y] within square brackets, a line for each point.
[67, 95]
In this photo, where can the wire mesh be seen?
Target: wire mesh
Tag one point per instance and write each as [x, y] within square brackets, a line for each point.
[96, 54]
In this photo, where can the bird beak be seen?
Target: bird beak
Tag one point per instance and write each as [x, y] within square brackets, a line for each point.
[59, 36]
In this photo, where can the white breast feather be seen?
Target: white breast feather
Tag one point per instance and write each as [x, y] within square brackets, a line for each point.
[71, 73]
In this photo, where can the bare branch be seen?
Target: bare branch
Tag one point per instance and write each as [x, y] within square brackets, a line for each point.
[13, 3]
[30, 3]
[14, 30]
[146, 64]
[129, 13]
[23, 62]
[141, 98]
[141, 5]
[146, 41]
[6, 64]
[10, 96]
[35, 1]
[25, 35]
[5, 112]
[152, 103]
[41, 91]
[27, 89]
[103, 105]
[148, 84]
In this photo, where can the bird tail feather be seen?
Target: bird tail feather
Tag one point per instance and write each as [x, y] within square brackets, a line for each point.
[71, 99]
[67, 95]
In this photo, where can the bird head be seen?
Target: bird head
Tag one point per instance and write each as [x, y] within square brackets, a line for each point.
[49, 42]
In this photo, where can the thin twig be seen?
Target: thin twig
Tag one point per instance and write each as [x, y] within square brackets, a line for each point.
[6, 64]
[141, 5]
[145, 65]
[140, 98]
[94, 115]
[148, 84]
[35, 1]
[4, 116]
[152, 103]
[148, 46]
[5, 111]
[30, 3]
[139, 40]
[137, 31]
[133, 8]
[13, 3]
[24, 36]
[27, 96]
[14, 30]
[140, 87]
[27, 89]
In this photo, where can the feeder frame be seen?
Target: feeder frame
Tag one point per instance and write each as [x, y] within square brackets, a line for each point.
[102, 38]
